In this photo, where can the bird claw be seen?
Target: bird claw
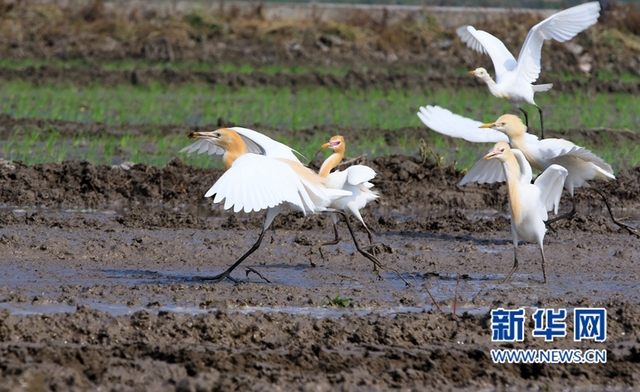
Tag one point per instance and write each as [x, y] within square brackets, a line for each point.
[249, 270]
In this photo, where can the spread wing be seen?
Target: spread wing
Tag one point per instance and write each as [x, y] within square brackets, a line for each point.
[256, 182]
[256, 143]
[359, 174]
[485, 171]
[550, 183]
[447, 123]
[561, 27]
[483, 42]
[554, 148]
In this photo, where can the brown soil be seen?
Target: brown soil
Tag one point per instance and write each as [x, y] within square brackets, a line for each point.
[105, 257]
[97, 290]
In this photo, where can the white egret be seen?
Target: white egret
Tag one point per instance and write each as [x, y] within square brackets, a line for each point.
[354, 179]
[529, 203]
[261, 174]
[514, 79]
[582, 164]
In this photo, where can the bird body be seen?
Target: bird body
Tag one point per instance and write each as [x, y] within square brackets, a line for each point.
[582, 164]
[515, 78]
[261, 174]
[528, 202]
[355, 179]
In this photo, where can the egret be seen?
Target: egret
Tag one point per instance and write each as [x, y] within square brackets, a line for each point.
[529, 203]
[514, 79]
[582, 164]
[354, 179]
[261, 173]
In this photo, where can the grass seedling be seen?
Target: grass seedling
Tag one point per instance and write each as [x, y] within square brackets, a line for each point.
[336, 302]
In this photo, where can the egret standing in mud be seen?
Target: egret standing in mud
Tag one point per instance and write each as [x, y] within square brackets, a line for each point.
[260, 174]
[582, 164]
[529, 203]
[514, 79]
[354, 179]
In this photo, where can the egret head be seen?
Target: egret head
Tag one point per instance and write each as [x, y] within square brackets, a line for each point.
[227, 139]
[508, 124]
[500, 151]
[336, 143]
[480, 73]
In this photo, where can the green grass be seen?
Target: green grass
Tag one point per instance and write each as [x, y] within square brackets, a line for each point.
[200, 104]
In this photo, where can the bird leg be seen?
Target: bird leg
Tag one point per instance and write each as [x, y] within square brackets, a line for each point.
[630, 229]
[544, 273]
[515, 265]
[376, 263]
[318, 247]
[226, 274]
[541, 123]
[564, 216]
[526, 116]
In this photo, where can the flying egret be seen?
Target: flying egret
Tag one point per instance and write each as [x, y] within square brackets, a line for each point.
[582, 164]
[354, 179]
[261, 174]
[514, 79]
[529, 202]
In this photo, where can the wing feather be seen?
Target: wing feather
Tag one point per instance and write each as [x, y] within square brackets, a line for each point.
[447, 123]
[485, 171]
[483, 42]
[255, 182]
[359, 174]
[550, 183]
[561, 27]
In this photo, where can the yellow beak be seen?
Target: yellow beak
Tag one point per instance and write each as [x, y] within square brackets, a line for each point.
[491, 125]
[472, 72]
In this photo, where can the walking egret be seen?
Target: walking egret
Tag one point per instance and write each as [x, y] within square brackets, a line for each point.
[261, 174]
[354, 179]
[529, 203]
[514, 79]
[582, 164]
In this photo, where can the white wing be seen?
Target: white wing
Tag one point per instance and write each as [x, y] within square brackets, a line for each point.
[447, 123]
[561, 27]
[359, 174]
[270, 147]
[485, 171]
[483, 42]
[526, 174]
[554, 148]
[255, 182]
[551, 182]
[256, 143]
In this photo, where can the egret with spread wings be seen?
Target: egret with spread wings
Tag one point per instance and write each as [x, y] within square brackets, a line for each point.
[514, 79]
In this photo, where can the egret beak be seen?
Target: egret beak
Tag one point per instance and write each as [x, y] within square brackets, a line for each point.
[326, 145]
[472, 72]
[491, 125]
[492, 154]
[203, 135]
[331, 144]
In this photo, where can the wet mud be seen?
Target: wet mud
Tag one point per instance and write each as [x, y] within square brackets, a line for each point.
[99, 286]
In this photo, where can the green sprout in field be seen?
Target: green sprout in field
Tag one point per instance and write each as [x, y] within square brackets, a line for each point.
[336, 302]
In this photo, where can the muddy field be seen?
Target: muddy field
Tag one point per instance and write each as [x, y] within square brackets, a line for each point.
[99, 287]
[100, 270]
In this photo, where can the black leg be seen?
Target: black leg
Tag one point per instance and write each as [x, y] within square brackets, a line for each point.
[515, 265]
[630, 229]
[564, 216]
[318, 247]
[526, 116]
[226, 274]
[376, 263]
[541, 123]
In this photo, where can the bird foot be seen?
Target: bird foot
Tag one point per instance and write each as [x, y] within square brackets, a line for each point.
[216, 278]
[249, 269]
[568, 215]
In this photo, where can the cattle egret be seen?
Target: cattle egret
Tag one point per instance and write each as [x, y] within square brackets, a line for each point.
[261, 174]
[514, 79]
[529, 202]
[582, 164]
[354, 179]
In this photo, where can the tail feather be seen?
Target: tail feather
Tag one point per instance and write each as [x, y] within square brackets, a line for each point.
[542, 87]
